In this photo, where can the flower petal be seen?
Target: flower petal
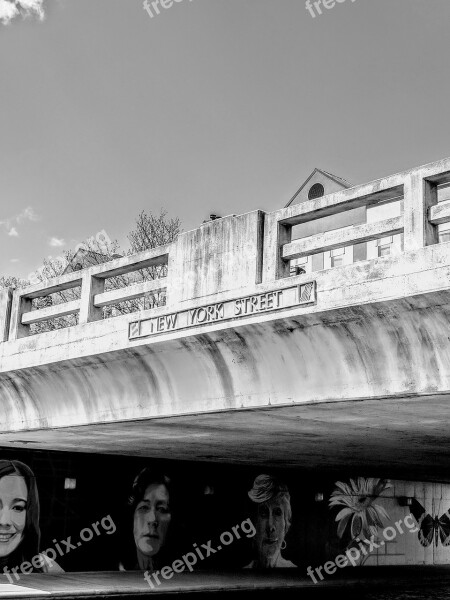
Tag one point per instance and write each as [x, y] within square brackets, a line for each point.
[342, 526]
[344, 513]
[383, 514]
[356, 526]
[373, 517]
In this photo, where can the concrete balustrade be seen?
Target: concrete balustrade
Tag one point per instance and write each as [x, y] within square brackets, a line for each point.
[93, 296]
[340, 238]
[233, 253]
[440, 213]
[417, 187]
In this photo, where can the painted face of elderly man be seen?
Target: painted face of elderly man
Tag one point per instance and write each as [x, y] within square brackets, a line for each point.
[272, 522]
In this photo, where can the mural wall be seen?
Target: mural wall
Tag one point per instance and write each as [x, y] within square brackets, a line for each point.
[410, 522]
[64, 512]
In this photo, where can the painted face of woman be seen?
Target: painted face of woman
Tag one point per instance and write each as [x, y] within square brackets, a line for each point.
[151, 519]
[270, 531]
[13, 512]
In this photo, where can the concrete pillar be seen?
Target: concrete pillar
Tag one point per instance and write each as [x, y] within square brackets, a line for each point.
[224, 255]
[20, 305]
[275, 236]
[90, 286]
[5, 313]
[420, 194]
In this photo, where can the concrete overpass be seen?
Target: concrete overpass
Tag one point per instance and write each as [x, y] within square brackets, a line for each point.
[345, 368]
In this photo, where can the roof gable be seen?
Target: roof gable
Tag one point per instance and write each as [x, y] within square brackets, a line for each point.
[330, 182]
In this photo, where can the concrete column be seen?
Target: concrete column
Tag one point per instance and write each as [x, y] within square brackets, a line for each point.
[5, 313]
[420, 194]
[20, 305]
[224, 255]
[90, 286]
[275, 236]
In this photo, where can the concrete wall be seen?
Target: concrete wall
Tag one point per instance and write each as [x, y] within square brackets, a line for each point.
[308, 354]
[223, 255]
[406, 549]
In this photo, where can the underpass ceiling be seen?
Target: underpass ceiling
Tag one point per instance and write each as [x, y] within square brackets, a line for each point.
[405, 438]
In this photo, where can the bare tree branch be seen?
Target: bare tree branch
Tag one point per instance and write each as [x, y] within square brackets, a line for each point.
[150, 231]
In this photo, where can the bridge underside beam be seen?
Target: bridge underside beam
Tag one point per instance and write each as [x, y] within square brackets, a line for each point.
[393, 349]
[402, 438]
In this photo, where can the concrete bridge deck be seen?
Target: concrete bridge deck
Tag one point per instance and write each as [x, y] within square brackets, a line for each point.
[344, 366]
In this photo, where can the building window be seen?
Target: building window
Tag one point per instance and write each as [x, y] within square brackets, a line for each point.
[299, 266]
[337, 257]
[384, 246]
[337, 261]
[317, 191]
[444, 233]
[384, 250]
[297, 270]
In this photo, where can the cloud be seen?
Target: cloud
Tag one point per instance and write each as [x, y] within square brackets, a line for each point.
[15, 260]
[9, 9]
[57, 242]
[27, 214]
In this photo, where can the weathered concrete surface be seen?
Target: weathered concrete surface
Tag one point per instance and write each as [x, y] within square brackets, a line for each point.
[425, 272]
[332, 240]
[348, 347]
[373, 351]
[398, 438]
[5, 312]
[223, 255]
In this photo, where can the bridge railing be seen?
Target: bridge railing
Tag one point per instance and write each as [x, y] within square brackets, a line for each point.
[418, 189]
[237, 252]
[91, 297]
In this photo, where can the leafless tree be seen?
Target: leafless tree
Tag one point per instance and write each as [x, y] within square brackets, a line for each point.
[150, 231]
[91, 252]
[12, 282]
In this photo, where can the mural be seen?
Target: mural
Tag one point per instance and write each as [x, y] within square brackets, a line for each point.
[272, 521]
[150, 516]
[361, 518]
[431, 529]
[19, 520]
[72, 512]
[392, 522]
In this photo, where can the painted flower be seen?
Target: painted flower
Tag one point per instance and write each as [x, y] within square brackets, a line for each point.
[360, 510]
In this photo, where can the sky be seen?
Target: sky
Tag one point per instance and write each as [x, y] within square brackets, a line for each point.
[212, 106]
